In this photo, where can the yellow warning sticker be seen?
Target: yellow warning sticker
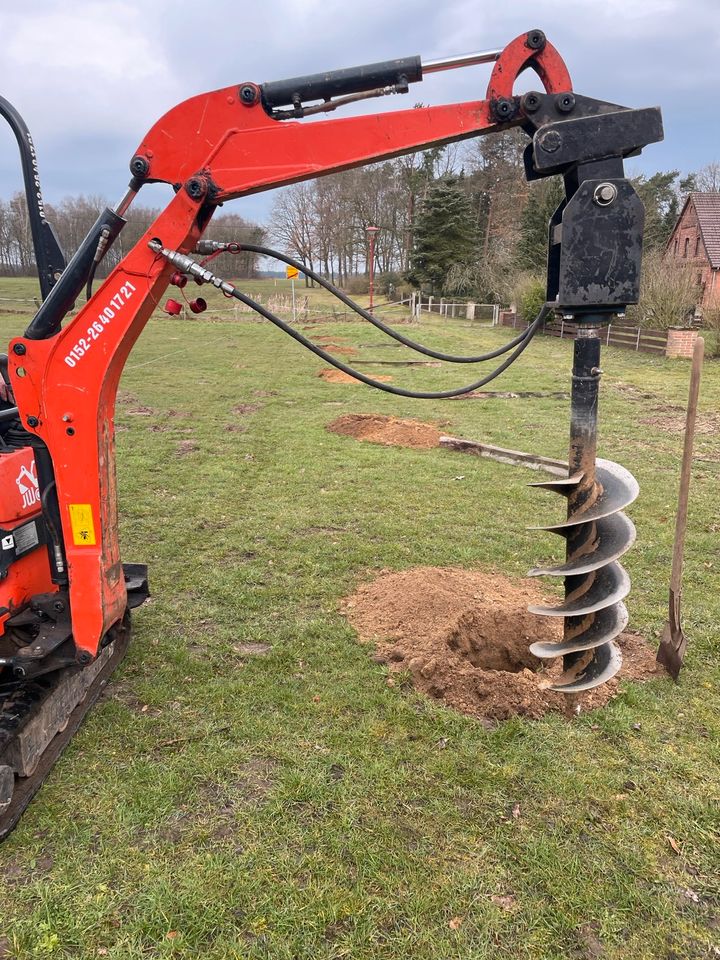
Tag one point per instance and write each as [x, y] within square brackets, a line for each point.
[82, 523]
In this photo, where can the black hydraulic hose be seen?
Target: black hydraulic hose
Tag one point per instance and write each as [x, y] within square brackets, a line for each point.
[90, 279]
[406, 341]
[398, 391]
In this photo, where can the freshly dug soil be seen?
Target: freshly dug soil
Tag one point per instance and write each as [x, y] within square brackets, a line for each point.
[463, 636]
[333, 375]
[389, 431]
[336, 347]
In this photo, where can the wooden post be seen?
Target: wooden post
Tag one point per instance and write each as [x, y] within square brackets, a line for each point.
[673, 642]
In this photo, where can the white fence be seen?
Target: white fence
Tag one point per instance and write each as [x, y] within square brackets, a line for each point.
[449, 308]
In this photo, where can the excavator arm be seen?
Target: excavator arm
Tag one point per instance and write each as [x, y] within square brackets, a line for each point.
[211, 148]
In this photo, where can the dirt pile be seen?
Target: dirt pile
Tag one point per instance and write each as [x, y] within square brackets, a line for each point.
[390, 431]
[339, 349]
[332, 375]
[463, 636]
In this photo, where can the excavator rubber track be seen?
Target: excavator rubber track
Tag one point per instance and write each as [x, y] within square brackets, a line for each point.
[38, 714]
[38, 718]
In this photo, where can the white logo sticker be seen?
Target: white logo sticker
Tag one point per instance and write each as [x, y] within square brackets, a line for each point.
[8, 543]
[28, 486]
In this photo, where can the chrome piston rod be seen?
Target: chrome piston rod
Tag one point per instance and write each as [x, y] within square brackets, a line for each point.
[461, 60]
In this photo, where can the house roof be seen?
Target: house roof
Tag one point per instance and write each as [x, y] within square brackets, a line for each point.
[708, 211]
[707, 207]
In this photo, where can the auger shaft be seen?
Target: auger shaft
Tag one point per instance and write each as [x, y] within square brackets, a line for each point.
[597, 533]
[584, 415]
[582, 457]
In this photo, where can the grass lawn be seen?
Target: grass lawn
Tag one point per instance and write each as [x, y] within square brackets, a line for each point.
[294, 806]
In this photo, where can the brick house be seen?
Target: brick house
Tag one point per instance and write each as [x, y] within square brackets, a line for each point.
[695, 242]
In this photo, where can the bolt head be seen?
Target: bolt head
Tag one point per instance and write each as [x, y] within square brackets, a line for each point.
[503, 109]
[139, 167]
[550, 142]
[196, 187]
[565, 102]
[604, 194]
[536, 40]
[32, 421]
[248, 94]
[19, 349]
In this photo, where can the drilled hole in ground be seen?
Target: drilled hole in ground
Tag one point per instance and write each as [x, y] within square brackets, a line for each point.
[463, 637]
[493, 640]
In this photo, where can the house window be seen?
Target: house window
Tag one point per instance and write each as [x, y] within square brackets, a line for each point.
[687, 247]
[675, 251]
[697, 247]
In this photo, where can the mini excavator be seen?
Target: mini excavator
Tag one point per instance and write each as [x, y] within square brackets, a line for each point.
[65, 595]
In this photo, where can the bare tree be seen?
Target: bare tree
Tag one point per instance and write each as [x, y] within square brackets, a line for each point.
[669, 294]
[292, 222]
[707, 179]
[73, 217]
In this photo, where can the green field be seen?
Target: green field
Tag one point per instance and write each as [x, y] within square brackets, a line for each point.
[294, 806]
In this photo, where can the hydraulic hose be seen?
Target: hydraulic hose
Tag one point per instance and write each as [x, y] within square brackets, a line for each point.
[398, 391]
[406, 341]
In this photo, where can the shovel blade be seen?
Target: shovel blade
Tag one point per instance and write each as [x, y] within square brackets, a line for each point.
[671, 651]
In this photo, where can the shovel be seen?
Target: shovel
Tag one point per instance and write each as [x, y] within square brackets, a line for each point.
[673, 643]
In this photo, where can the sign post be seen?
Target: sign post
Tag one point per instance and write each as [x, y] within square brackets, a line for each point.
[291, 273]
[371, 231]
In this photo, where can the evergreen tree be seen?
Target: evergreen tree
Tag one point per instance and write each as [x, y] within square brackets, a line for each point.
[445, 234]
[545, 197]
[659, 194]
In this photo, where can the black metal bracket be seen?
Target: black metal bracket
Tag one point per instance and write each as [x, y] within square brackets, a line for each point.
[48, 320]
[45, 626]
[595, 235]
[41, 633]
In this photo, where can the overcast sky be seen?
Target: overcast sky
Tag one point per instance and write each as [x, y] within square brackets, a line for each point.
[91, 76]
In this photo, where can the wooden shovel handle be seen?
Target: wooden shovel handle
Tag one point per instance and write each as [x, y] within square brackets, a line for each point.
[683, 496]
